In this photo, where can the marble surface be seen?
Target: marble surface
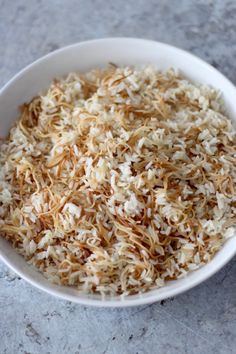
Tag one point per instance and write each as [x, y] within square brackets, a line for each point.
[202, 320]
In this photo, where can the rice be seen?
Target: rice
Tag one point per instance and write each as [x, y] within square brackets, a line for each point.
[120, 179]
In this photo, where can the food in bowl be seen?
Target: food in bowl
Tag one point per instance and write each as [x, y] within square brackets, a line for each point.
[120, 179]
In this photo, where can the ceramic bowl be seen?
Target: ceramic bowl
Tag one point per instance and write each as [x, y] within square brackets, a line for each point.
[82, 57]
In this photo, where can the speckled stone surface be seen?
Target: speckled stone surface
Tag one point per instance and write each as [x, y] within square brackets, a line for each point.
[202, 320]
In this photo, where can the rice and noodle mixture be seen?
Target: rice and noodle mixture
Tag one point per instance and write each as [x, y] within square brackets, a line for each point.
[120, 179]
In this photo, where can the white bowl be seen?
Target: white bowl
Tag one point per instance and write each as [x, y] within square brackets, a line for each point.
[85, 56]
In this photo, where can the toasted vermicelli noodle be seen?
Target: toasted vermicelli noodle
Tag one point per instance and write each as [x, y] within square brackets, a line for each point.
[120, 179]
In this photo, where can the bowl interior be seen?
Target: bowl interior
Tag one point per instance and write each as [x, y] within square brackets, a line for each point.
[82, 57]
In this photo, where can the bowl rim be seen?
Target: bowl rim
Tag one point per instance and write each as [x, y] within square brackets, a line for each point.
[126, 302]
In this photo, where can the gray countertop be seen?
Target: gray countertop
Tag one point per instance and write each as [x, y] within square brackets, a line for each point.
[202, 320]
